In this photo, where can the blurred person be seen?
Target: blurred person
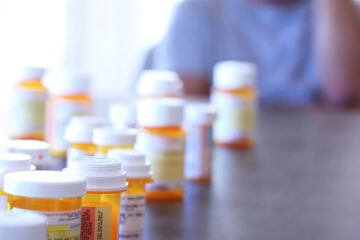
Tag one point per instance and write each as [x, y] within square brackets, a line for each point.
[306, 50]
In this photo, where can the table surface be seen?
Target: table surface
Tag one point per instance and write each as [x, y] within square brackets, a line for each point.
[300, 182]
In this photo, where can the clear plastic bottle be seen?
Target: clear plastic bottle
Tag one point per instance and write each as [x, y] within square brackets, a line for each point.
[70, 97]
[101, 204]
[29, 105]
[132, 208]
[234, 96]
[162, 139]
[199, 119]
[55, 195]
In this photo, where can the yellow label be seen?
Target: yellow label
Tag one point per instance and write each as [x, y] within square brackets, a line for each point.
[63, 235]
[167, 165]
[242, 119]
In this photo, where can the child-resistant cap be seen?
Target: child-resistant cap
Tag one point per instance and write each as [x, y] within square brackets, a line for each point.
[122, 115]
[133, 162]
[102, 174]
[66, 83]
[31, 73]
[202, 114]
[20, 226]
[155, 83]
[80, 128]
[11, 162]
[108, 136]
[160, 113]
[44, 184]
[232, 75]
[39, 151]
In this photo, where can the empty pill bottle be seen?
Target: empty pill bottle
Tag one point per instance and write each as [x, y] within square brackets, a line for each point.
[29, 105]
[199, 119]
[78, 134]
[21, 226]
[234, 96]
[69, 97]
[122, 115]
[159, 84]
[133, 200]
[105, 181]
[106, 138]
[39, 151]
[12, 162]
[162, 138]
[55, 195]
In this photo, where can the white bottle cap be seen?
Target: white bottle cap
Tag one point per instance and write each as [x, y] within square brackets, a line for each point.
[38, 150]
[14, 162]
[160, 113]
[44, 184]
[65, 83]
[201, 114]
[80, 128]
[107, 136]
[31, 73]
[234, 75]
[20, 226]
[133, 162]
[102, 174]
[122, 115]
[155, 83]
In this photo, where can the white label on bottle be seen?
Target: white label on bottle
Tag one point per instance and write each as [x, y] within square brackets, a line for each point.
[3, 203]
[61, 225]
[131, 220]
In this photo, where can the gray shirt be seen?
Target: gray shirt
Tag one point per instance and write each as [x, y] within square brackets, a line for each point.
[278, 40]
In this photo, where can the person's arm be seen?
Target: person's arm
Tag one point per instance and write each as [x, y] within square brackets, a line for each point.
[338, 47]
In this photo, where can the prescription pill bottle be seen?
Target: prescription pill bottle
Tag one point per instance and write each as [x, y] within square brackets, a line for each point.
[70, 97]
[199, 119]
[29, 105]
[132, 208]
[106, 138]
[39, 151]
[22, 226]
[159, 84]
[162, 139]
[234, 97]
[55, 195]
[105, 181]
[12, 162]
[79, 135]
[122, 115]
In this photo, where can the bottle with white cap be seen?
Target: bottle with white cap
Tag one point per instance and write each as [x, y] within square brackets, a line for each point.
[29, 105]
[132, 208]
[159, 84]
[122, 115]
[39, 151]
[105, 182]
[199, 119]
[70, 97]
[12, 162]
[234, 96]
[106, 138]
[21, 226]
[55, 195]
[79, 135]
[162, 139]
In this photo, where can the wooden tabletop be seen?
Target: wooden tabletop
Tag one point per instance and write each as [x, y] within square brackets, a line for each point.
[300, 182]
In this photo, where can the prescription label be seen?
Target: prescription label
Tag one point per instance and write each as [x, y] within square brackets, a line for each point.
[96, 223]
[131, 219]
[3, 203]
[61, 225]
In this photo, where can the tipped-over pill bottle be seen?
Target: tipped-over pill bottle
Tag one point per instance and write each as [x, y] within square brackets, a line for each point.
[70, 97]
[122, 115]
[199, 119]
[105, 182]
[159, 84]
[79, 135]
[29, 105]
[162, 139]
[38, 150]
[22, 226]
[106, 138]
[234, 96]
[132, 208]
[55, 195]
